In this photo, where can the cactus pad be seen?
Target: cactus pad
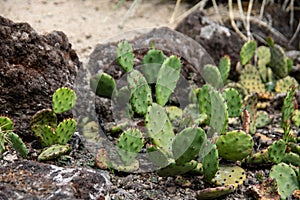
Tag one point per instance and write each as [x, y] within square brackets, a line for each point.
[210, 163]
[16, 142]
[174, 169]
[286, 179]
[152, 62]
[262, 119]
[141, 96]
[157, 157]
[54, 151]
[276, 151]
[42, 118]
[264, 55]
[187, 144]
[291, 158]
[287, 110]
[219, 112]
[6, 124]
[65, 130]
[129, 144]
[278, 61]
[167, 78]
[102, 159]
[247, 51]
[230, 175]
[224, 67]
[212, 76]
[235, 145]
[250, 104]
[205, 101]
[63, 99]
[159, 127]
[251, 80]
[259, 158]
[214, 193]
[233, 101]
[103, 85]
[285, 83]
[46, 135]
[175, 115]
[125, 56]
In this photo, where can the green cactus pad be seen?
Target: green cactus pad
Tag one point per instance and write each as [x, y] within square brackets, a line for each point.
[191, 111]
[152, 62]
[247, 51]
[174, 169]
[167, 78]
[210, 163]
[230, 175]
[212, 76]
[16, 142]
[6, 124]
[175, 115]
[286, 179]
[141, 96]
[235, 145]
[251, 80]
[250, 104]
[287, 110]
[157, 157]
[278, 62]
[132, 167]
[262, 119]
[296, 118]
[261, 157]
[129, 144]
[103, 85]
[159, 128]
[91, 132]
[224, 67]
[205, 101]
[285, 83]
[2, 143]
[264, 55]
[54, 151]
[214, 193]
[277, 150]
[233, 101]
[125, 56]
[187, 144]
[42, 118]
[63, 99]
[121, 104]
[291, 158]
[219, 112]
[65, 130]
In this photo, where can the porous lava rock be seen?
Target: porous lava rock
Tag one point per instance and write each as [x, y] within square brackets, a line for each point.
[32, 67]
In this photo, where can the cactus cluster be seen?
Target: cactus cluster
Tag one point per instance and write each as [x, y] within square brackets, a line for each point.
[53, 135]
[8, 136]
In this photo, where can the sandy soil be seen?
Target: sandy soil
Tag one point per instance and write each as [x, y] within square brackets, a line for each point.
[88, 22]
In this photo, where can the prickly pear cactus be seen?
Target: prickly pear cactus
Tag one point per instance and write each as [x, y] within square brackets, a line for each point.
[250, 104]
[174, 169]
[224, 67]
[247, 51]
[157, 157]
[233, 101]
[54, 151]
[210, 163]
[235, 145]
[16, 142]
[251, 80]
[187, 144]
[212, 76]
[175, 115]
[214, 193]
[287, 111]
[103, 85]
[230, 175]
[259, 158]
[42, 118]
[278, 62]
[167, 78]
[46, 135]
[65, 130]
[141, 96]
[283, 85]
[159, 128]
[129, 144]
[286, 179]
[264, 57]
[291, 158]
[6, 124]
[152, 62]
[277, 150]
[205, 101]
[63, 99]
[125, 56]
[262, 119]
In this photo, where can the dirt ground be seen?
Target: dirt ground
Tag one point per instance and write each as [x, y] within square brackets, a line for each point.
[88, 22]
